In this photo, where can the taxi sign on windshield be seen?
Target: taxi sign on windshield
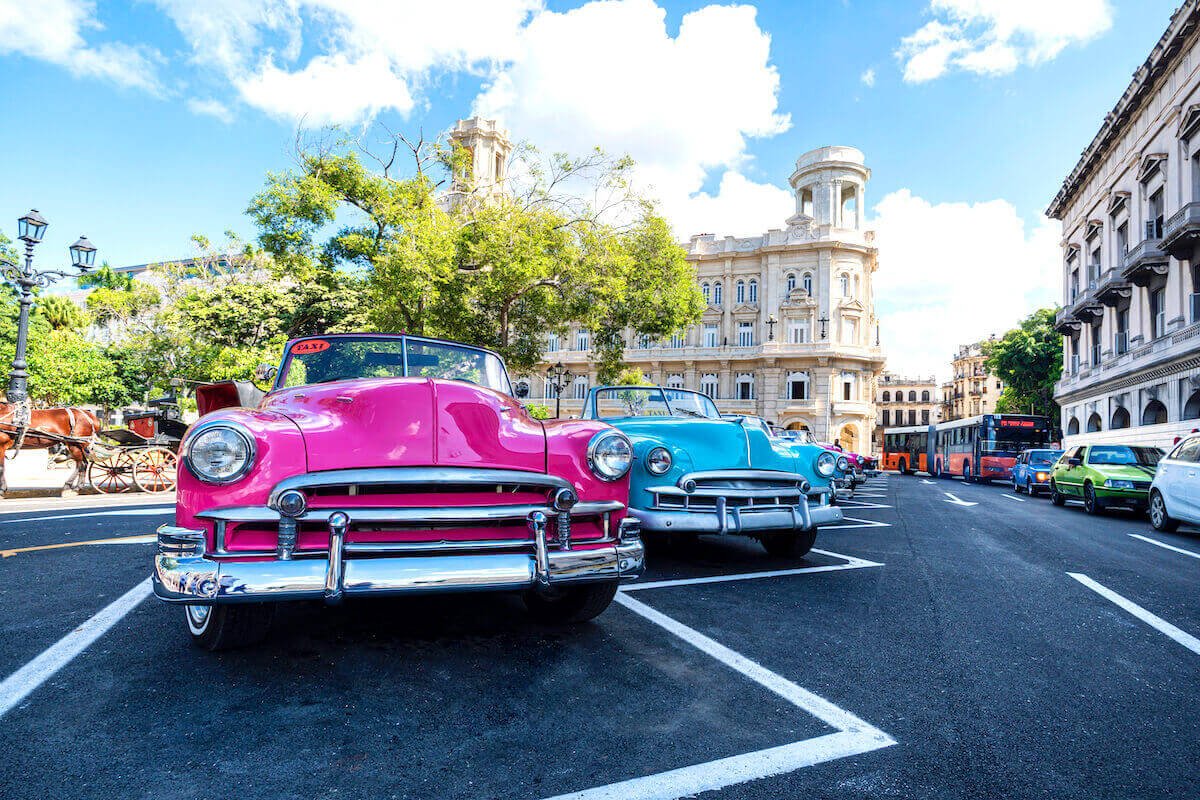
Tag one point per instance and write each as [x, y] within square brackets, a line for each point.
[309, 346]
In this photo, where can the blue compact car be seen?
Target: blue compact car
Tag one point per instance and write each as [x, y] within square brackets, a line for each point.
[1031, 472]
[696, 473]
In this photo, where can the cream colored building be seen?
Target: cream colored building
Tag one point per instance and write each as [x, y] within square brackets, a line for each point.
[904, 401]
[973, 390]
[789, 330]
[1130, 212]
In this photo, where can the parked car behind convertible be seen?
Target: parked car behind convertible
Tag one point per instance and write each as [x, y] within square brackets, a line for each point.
[1031, 470]
[387, 464]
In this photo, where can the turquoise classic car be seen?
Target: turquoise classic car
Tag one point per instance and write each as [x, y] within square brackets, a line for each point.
[696, 473]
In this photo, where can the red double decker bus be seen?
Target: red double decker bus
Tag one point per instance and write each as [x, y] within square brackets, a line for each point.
[984, 448]
[981, 448]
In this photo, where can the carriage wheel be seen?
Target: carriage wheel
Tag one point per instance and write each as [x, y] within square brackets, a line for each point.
[155, 469]
[112, 473]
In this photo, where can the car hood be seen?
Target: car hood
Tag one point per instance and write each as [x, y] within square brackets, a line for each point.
[709, 443]
[387, 422]
[1124, 471]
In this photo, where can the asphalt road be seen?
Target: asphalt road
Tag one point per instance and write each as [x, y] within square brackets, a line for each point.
[933, 649]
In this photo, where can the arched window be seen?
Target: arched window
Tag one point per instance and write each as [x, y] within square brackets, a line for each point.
[675, 381]
[797, 386]
[925, 396]
[706, 290]
[753, 291]
[1191, 408]
[847, 386]
[887, 397]
[1120, 419]
[579, 387]
[739, 291]
[1094, 423]
[1073, 427]
[745, 386]
[791, 282]
[1155, 413]
[807, 283]
[912, 397]
[717, 293]
[708, 385]
[845, 282]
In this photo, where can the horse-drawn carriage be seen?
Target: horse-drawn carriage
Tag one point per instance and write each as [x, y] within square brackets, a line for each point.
[143, 454]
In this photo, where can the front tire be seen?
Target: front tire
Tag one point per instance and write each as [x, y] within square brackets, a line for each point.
[1158, 515]
[967, 473]
[789, 545]
[1029, 490]
[1056, 498]
[1091, 504]
[216, 628]
[571, 604]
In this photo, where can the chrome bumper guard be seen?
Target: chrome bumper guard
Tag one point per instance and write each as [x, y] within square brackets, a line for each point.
[747, 520]
[184, 573]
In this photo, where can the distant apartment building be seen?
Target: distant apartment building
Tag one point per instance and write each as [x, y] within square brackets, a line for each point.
[973, 390]
[788, 330]
[903, 401]
[1130, 213]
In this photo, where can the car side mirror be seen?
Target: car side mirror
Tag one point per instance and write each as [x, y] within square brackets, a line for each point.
[264, 373]
[1073, 462]
[521, 391]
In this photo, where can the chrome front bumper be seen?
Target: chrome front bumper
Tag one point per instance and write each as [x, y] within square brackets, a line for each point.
[184, 573]
[726, 518]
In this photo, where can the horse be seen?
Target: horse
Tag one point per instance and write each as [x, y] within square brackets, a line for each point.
[72, 431]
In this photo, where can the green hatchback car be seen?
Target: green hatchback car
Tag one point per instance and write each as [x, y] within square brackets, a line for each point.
[1104, 475]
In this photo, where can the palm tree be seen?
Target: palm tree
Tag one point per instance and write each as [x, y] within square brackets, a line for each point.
[106, 278]
[61, 312]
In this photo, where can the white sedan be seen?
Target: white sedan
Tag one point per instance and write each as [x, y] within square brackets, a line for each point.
[1175, 492]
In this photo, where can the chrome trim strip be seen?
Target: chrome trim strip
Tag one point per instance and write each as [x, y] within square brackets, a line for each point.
[416, 476]
[673, 491]
[738, 521]
[450, 546]
[742, 474]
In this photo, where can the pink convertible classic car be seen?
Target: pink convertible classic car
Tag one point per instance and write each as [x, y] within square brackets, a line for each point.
[384, 464]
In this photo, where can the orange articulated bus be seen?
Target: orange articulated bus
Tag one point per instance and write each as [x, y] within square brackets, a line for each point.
[982, 448]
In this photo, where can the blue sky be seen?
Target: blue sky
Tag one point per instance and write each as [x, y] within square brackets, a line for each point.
[142, 123]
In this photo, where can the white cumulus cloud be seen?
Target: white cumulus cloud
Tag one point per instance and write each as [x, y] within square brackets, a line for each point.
[210, 108]
[610, 74]
[954, 273]
[54, 31]
[868, 77]
[994, 37]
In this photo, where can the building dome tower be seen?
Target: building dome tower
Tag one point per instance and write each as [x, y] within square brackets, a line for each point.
[490, 149]
[830, 185]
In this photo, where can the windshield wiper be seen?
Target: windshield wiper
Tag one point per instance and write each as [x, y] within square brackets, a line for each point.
[689, 412]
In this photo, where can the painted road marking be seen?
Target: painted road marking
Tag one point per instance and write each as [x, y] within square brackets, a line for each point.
[854, 736]
[1158, 623]
[926, 480]
[956, 501]
[1010, 497]
[851, 563]
[855, 522]
[59, 546]
[1165, 546]
[20, 684]
[856, 503]
[133, 512]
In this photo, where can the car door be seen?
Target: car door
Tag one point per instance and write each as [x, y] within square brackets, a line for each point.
[1018, 474]
[1071, 479]
[1184, 484]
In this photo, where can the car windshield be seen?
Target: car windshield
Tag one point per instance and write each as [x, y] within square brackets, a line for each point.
[336, 358]
[1044, 457]
[1124, 454]
[652, 401]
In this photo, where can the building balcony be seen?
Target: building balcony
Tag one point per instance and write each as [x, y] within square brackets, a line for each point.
[1145, 260]
[1065, 323]
[1112, 288]
[1086, 307]
[1182, 231]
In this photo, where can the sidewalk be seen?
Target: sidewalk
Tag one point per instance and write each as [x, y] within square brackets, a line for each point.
[30, 475]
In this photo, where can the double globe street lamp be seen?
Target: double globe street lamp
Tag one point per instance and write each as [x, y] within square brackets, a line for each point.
[30, 230]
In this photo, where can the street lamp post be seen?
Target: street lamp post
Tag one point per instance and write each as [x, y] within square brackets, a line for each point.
[559, 377]
[30, 230]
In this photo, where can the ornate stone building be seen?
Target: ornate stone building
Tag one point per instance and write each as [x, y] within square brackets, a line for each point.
[974, 390]
[906, 401]
[1130, 212]
[789, 330]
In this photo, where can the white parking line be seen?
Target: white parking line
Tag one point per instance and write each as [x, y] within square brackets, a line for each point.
[851, 563]
[856, 503]
[854, 736]
[1165, 546]
[1158, 623]
[855, 522]
[1010, 497]
[132, 512]
[20, 684]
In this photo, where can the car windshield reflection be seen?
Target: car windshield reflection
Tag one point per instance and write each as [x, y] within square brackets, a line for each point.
[652, 401]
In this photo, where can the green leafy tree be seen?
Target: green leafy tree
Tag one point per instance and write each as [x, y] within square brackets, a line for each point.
[105, 277]
[1029, 361]
[61, 312]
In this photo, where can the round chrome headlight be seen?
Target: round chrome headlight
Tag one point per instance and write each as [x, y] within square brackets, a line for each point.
[658, 460]
[221, 452]
[609, 455]
[826, 464]
[843, 464]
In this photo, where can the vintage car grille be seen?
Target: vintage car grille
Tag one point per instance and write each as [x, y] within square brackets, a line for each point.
[414, 509]
[733, 489]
